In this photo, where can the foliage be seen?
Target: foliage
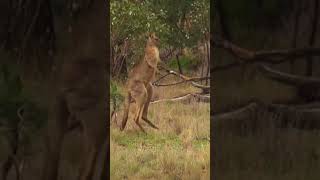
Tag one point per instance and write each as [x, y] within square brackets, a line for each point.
[263, 13]
[115, 96]
[188, 21]
[13, 98]
[178, 24]
[133, 20]
[186, 63]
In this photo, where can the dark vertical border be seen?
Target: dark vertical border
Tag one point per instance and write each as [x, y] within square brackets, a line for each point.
[212, 135]
[105, 175]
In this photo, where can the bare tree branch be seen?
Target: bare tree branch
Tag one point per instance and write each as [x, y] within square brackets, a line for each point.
[250, 55]
[294, 116]
[181, 76]
[203, 98]
[205, 89]
[289, 79]
[240, 113]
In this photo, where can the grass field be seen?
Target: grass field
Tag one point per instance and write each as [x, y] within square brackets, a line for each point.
[180, 149]
[269, 153]
[285, 154]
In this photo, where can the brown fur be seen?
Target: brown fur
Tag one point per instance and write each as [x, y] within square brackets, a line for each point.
[139, 87]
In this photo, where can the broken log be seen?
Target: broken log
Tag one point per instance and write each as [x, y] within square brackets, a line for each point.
[187, 98]
[257, 116]
[289, 79]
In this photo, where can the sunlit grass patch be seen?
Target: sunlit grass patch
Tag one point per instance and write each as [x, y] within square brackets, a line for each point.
[158, 158]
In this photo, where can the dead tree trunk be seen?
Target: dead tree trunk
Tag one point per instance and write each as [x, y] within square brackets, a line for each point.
[178, 62]
[119, 58]
[222, 19]
[208, 59]
[297, 15]
[312, 38]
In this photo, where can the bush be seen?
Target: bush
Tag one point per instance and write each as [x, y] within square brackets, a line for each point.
[187, 63]
[18, 113]
[115, 95]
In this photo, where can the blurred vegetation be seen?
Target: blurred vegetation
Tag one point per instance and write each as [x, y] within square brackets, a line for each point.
[186, 62]
[116, 98]
[178, 24]
[18, 113]
[251, 22]
[255, 13]
[285, 153]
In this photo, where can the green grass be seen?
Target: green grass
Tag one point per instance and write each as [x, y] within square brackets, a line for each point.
[140, 156]
[149, 140]
[180, 149]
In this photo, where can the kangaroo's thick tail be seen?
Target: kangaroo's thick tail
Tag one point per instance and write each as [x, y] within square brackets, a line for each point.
[126, 111]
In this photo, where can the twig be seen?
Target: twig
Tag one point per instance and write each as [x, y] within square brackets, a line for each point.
[163, 76]
[183, 77]
[181, 98]
[170, 84]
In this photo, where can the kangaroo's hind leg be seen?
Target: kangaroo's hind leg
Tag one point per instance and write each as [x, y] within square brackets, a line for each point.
[141, 97]
[146, 106]
[138, 116]
[127, 102]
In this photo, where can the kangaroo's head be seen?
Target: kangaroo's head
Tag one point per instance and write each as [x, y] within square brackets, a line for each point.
[153, 39]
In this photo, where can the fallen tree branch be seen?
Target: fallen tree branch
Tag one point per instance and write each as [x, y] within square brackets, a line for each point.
[205, 89]
[250, 118]
[250, 55]
[240, 113]
[290, 79]
[236, 64]
[181, 76]
[203, 98]
[312, 105]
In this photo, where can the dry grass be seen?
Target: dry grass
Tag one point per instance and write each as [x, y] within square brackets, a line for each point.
[277, 154]
[287, 154]
[180, 149]
[268, 152]
[234, 89]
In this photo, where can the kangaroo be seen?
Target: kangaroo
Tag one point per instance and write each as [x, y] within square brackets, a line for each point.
[139, 87]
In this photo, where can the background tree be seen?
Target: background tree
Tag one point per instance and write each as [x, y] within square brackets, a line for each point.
[179, 24]
[36, 37]
[261, 96]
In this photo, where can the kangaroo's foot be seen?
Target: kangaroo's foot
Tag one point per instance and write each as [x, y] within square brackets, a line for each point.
[149, 122]
[139, 125]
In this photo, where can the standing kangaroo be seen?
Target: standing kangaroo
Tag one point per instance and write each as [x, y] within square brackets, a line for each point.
[139, 87]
